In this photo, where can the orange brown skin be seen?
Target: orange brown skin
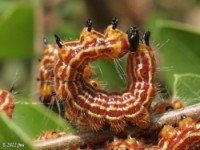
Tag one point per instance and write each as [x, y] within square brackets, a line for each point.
[162, 107]
[177, 103]
[50, 134]
[6, 103]
[87, 73]
[87, 38]
[125, 144]
[92, 108]
[166, 106]
[184, 137]
[46, 74]
[95, 84]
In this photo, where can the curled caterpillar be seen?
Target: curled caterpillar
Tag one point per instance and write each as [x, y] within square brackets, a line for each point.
[93, 108]
[7, 102]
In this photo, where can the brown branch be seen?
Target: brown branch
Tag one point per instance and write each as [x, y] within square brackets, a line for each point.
[157, 122]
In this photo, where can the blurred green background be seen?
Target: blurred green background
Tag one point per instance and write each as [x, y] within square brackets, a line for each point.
[174, 24]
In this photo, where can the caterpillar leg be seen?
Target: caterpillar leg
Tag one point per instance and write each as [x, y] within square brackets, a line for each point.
[71, 112]
[142, 119]
[86, 122]
[117, 125]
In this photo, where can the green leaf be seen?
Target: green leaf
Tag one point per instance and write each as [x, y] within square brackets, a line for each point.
[180, 50]
[16, 32]
[34, 119]
[187, 88]
[5, 5]
[11, 136]
[111, 75]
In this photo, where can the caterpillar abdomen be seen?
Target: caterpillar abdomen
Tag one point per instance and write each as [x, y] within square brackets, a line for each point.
[91, 107]
[97, 107]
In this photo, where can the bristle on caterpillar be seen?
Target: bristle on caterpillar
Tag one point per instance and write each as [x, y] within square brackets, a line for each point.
[183, 137]
[6, 103]
[93, 108]
[46, 73]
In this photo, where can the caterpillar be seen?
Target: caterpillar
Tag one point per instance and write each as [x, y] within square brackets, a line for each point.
[7, 102]
[130, 143]
[46, 74]
[93, 108]
[184, 137]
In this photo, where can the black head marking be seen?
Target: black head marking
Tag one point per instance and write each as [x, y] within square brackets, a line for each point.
[114, 22]
[58, 41]
[145, 37]
[133, 37]
[89, 24]
[37, 79]
[183, 116]
[45, 41]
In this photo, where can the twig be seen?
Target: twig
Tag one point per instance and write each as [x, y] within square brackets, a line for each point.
[157, 122]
